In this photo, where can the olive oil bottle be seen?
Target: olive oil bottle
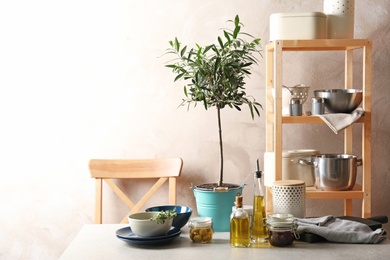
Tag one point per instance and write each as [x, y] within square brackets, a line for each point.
[259, 232]
[239, 226]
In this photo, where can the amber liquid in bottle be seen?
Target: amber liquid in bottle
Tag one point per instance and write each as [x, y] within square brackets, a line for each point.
[239, 226]
[259, 229]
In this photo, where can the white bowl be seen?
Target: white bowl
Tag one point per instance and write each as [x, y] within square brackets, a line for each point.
[142, 226]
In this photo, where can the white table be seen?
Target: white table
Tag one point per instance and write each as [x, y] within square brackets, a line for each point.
[100, 242]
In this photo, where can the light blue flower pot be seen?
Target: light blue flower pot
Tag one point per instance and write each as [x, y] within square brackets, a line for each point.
[217, 205]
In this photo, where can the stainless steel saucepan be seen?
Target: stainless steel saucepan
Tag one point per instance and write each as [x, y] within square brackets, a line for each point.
[334, 172]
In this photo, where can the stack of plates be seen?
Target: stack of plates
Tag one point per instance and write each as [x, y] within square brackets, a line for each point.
[127, 235]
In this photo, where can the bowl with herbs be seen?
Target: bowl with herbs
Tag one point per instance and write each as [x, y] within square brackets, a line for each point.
[151, 224]
[183, 213]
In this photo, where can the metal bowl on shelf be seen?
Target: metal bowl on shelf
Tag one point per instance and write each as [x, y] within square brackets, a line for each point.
[340, 100]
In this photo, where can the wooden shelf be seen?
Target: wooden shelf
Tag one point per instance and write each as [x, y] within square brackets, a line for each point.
[275, 120]
[355, 193]
[313, 119]
[320, 45]
[309, 120]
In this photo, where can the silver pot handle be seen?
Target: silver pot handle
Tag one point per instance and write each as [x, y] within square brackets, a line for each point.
[306, 162]
[359, 162]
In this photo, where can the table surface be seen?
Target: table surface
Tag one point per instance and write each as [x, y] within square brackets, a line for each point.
[100, 242]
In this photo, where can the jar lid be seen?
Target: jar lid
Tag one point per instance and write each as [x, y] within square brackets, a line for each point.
[280, 220]
[201, 221]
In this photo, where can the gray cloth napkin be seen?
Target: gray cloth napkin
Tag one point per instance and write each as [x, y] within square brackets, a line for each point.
[339, 121]
[341, 230]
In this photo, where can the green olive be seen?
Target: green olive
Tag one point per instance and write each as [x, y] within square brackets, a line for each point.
[206, 238]
[203, 232]
[197, 238]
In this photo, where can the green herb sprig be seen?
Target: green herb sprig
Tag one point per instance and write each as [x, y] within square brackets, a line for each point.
[164, 215]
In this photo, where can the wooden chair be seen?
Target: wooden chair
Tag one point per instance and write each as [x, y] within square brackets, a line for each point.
[107, 170]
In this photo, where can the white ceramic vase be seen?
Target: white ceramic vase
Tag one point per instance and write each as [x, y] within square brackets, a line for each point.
[340, 18]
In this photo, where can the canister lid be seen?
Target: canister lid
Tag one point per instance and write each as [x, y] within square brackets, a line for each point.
[296, 101]
[317, 100]
[304, 14]
[289, 183]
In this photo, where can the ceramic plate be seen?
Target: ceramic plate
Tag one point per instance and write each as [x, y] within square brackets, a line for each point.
[127, 235]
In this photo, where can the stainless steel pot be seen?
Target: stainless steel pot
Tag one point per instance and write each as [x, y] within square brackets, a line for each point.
[334, 172]
[291, 169]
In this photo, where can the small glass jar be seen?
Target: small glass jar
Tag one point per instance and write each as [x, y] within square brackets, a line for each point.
[282, 229]
[201, 229]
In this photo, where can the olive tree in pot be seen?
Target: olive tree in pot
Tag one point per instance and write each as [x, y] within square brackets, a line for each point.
[215, 77]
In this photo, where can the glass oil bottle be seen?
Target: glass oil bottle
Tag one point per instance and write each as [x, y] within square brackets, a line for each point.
[259, 233]
[239, 226]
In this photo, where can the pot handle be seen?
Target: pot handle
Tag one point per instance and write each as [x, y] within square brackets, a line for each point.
[306, 162]
[359, 162]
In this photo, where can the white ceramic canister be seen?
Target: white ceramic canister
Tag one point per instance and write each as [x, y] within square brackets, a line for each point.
[291, 169]
[288, 197]
[286, 96]
[292, 26]
[340, 18]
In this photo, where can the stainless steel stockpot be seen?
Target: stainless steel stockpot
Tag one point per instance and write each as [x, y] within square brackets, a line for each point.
[334, 172]
[291, 169]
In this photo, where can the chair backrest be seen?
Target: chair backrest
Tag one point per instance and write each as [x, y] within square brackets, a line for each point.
[162, 169]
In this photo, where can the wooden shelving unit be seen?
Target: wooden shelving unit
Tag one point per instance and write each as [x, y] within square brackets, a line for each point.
[275, 119]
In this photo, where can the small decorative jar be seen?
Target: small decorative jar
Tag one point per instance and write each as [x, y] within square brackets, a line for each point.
[288, 196]
[282, 229]
[317, 106]
[201, 229]
[340, 18]
[295, 107]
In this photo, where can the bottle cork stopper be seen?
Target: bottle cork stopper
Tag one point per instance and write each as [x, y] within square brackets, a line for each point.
[239, 200]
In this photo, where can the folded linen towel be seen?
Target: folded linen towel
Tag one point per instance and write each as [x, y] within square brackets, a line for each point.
[339, 121]
[341, 230]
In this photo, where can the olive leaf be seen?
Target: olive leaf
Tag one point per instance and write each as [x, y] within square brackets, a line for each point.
[215, 74]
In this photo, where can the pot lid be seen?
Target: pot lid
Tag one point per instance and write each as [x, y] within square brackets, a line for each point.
[301, 152]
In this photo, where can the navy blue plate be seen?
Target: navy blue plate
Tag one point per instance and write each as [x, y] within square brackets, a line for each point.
[127, 235]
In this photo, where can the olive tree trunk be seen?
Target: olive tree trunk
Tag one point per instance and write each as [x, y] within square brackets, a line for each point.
[220, 146]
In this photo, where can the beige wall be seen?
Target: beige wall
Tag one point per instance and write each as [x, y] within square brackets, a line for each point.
[83, 79]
